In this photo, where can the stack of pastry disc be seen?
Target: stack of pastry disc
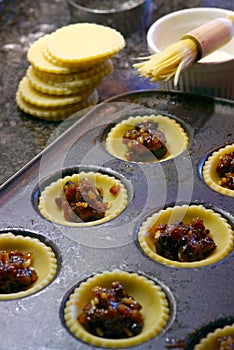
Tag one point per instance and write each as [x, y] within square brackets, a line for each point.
[65, 69]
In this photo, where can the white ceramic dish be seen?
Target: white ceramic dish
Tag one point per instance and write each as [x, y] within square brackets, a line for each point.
[211, 76]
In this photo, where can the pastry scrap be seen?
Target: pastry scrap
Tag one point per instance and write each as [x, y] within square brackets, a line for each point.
[16, 271]
[147, 139]
[66, 67]
[110, 310]
[218, 170]
[83, 199]
[186, 236]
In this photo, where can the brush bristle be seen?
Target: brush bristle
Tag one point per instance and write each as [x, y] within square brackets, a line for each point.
[164, 65]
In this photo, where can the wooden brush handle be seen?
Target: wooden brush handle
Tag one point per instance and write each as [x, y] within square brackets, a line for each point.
[212, 35]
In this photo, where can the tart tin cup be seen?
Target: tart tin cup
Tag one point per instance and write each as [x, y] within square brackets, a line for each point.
[210, 174]
[210, 341]
[135, 285]
[221, 232]
[44, 261]
[171, 129]
[199, 334]
[52, 212]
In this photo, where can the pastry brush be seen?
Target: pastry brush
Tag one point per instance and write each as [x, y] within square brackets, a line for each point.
[193, 46]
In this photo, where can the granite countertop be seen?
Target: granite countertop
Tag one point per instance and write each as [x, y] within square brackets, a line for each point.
[22, 22]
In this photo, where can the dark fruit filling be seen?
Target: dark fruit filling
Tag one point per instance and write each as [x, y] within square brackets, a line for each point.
[82, 200]
[16, 272]
[184, 243]
[145, 142]
[112, 313]
[226, 343]
[225, 169]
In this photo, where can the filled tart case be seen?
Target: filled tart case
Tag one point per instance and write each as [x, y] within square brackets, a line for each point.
[220, 231]
[136, 286]
[43, 262]
[111, 189]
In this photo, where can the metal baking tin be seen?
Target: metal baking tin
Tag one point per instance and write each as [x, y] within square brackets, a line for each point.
[196, 296]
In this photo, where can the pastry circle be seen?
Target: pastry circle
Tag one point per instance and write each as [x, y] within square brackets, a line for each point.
[135, 285]
[51, 211]
[56, 89]
[210, 342]
[171, 129]
[54, 78]
[37, 59]
[55, 114]
[210, 174]
[76, 48]
[44, 261]
[212, 220]
[37, 98]
[78, 86]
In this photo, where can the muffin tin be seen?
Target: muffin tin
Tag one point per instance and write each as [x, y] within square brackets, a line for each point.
[195, 296]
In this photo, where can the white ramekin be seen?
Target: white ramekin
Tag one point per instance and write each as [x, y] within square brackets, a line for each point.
[214, 78]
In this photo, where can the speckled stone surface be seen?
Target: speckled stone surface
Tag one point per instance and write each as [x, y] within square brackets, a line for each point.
[21, 22]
